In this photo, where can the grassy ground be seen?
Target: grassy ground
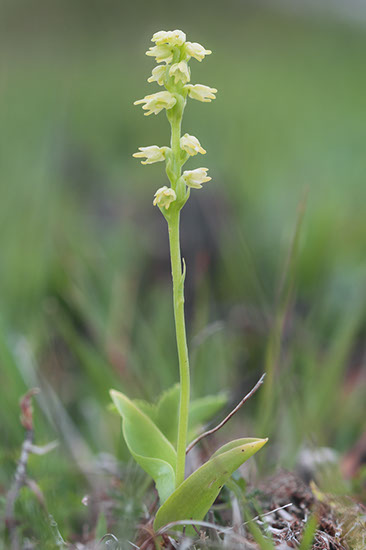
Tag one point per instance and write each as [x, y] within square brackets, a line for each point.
[274, 245]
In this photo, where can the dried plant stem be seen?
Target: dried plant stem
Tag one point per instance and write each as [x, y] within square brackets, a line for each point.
[21, 471]
[227, 418]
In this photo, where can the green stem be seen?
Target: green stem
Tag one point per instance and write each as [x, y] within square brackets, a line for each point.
[178, 298]
[175, 119]
[175, 124]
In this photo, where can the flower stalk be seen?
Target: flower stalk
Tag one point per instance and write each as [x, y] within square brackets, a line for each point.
[178, 275]
[178, 300]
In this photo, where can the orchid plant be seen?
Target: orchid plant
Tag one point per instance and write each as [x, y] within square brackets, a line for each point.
[158, 435]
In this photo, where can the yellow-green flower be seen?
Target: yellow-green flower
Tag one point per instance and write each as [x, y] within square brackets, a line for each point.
[158, 75]
[164, 197]
[163, 53]
[180, 72]
[191, 145]
[201, 92]
[173, 38]
[153, 153]
[195, 50]
[155, 103]
[195, 178]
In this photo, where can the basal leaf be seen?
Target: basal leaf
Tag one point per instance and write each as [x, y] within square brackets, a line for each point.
[167, 413]
[195, 496]
[233, 444]
[202, 410]
[147, 444]
[147, 408]
[164, 413]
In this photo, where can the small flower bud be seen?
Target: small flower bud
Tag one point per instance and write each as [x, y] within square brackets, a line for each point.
[158, 75]
[180, 72]
[164, 197]
[162, 53]
[153, 153]
[195, 178]
[173, 38]
[197, 51]
[191, 145]
[155, 103]
[201, 92]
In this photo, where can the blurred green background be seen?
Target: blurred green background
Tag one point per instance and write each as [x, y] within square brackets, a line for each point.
[275, 244]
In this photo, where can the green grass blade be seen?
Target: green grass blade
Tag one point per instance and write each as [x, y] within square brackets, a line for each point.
[309, 533]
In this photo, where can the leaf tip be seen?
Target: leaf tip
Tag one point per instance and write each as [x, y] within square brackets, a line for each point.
[115, 395]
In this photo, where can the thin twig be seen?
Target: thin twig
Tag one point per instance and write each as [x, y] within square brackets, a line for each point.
[260, 516]
[227, 418]
[114, 538]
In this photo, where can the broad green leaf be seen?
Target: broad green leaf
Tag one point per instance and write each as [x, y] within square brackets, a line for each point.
[233, 444]
[202, 410]
[194, 498]
[149, 447]
[147, 408]
[165, 412]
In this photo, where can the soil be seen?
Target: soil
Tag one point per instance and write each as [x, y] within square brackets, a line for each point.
[287, 503]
